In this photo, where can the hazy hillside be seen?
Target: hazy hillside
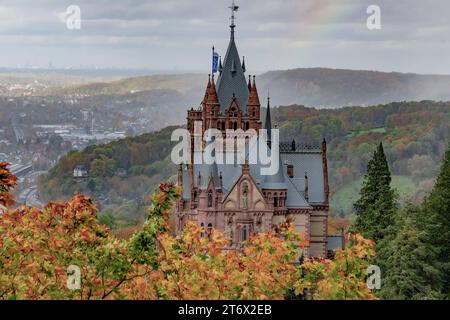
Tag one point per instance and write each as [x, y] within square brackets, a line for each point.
[415, 135]
[317, 87]
[183, 83]
[334, 88]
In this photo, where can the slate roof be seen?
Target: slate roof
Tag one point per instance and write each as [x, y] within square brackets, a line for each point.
[232, 79]
[309, 162]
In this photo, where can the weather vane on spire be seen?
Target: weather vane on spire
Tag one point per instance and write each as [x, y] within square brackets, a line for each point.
[234, 8]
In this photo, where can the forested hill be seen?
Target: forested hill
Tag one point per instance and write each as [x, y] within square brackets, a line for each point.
[321, 87]
[415, 136]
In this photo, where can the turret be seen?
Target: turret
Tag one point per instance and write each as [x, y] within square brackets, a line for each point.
[268, 124]
[212, 105]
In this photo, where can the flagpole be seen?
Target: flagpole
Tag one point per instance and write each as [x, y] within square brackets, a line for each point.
[212, 62]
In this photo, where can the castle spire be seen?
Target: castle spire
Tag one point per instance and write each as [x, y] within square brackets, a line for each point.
[234, 8]
[253, 99]
[212, 93]
[208, 86]
[268, 124]
[232, 78]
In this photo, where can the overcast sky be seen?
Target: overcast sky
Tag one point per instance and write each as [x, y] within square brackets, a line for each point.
[177, 35]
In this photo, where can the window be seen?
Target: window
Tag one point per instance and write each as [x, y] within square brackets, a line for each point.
[203, 229]
[290, 171]
[233, 112]
[275, 202]
[245, 197]
[210, 199]
[254, 113]
[235, 125]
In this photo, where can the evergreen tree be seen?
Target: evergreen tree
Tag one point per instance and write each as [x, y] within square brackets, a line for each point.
[376, 206]
[434, 221]
[402, 257]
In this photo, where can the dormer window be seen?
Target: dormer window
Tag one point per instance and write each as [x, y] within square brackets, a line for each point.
[290, 171]
[234, 112]
[210, 199]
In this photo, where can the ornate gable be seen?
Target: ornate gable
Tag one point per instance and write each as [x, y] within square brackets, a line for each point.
[245, 195]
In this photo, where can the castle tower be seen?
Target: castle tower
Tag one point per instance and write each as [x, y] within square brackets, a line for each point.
[238, 199]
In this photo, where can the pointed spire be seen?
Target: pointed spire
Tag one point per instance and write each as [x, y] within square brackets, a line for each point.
[243, 64]
[232, 78]
[249, 83]
[253, 99]
[212, 93]
[208, 86]
[234, 8]
[268, 124]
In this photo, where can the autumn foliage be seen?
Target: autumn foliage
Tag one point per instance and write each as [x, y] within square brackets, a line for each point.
[340, 278]
[37, 246]
[7, 182]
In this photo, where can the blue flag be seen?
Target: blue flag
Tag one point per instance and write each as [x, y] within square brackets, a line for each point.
[215, 62]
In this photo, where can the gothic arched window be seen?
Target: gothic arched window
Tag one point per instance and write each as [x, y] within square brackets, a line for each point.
[203, 229]
[210, 199]
[245, 196]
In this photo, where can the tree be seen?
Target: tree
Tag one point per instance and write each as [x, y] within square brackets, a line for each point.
[37, 247]
[7, 182]
[342, 278]
[376, 206]
[402, 257]
[434, 222]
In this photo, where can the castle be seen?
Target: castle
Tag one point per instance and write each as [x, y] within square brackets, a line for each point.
[237, 199]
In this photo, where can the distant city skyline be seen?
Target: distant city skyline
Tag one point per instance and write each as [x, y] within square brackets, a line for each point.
[176, 36]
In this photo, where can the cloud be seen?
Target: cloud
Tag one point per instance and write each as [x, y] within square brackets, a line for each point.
[168, 34]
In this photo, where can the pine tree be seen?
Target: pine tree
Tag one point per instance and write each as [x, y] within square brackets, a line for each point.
[434, 221]
[376, 206]
[402, 257]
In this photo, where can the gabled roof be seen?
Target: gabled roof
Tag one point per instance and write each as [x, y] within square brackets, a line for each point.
[232, 79]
